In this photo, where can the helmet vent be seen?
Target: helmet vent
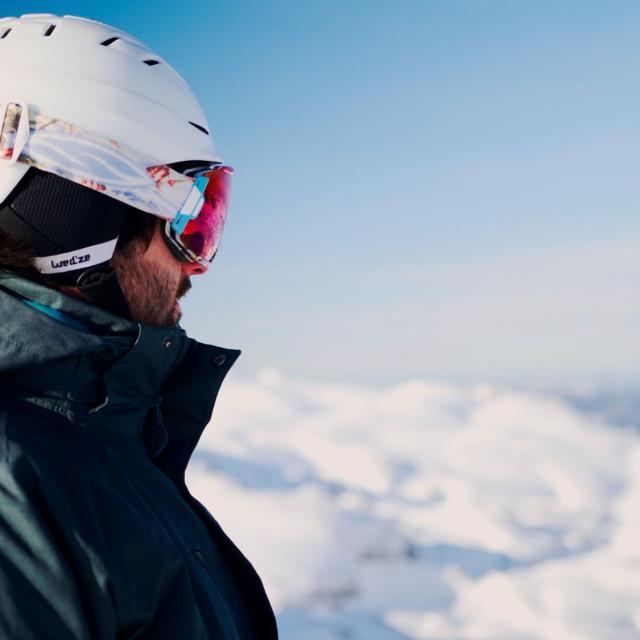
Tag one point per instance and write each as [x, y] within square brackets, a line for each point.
[198, 126]
[151, 63]
[50, 30]
[109, 41]
[5, 33]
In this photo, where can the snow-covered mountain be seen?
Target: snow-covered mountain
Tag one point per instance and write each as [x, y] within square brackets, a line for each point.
[427, 509]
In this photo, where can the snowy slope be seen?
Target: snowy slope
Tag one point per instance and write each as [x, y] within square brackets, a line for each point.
[427, 510]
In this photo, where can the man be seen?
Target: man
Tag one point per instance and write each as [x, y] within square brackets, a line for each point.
[111, 199]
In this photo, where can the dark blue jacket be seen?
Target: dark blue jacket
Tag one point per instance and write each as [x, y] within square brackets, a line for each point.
[99, 537]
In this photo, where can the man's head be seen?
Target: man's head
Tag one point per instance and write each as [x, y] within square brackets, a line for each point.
[103, 149]
[151, 279]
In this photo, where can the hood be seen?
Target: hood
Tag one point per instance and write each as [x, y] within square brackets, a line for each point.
[110, 376]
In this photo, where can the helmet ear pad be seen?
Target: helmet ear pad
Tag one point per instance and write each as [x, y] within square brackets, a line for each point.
[52, 215]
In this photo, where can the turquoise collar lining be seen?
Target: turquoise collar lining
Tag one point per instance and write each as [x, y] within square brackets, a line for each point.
[58, 315]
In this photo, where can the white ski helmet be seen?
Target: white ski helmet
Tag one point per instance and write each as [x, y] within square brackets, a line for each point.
[82, 103]
[103, 80]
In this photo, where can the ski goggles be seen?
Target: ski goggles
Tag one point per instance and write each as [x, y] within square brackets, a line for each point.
[194, 234]
[195, 208]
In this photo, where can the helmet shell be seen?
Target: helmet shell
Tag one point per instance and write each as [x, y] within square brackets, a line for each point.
[103, 80]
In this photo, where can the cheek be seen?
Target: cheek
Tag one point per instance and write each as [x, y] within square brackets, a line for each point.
[176, 279]
[174, 273]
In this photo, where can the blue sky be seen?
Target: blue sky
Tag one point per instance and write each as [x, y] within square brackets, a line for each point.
[441, 189]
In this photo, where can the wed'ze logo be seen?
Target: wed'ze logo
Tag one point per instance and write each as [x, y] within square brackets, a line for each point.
[72, 261]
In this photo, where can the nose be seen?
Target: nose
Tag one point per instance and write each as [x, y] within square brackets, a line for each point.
[192, 269]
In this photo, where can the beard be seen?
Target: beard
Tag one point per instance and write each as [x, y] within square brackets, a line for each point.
[151, 288]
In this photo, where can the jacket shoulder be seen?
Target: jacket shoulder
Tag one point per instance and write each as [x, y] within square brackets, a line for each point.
[49, 575]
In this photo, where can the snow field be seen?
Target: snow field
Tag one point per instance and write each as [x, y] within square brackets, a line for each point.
[427, 510]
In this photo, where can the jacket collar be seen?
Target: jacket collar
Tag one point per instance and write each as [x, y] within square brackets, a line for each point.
[112, 378]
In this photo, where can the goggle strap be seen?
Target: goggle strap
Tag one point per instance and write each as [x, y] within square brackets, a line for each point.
[76, 259]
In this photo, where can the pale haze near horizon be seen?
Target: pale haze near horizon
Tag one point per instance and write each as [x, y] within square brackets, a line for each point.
[423, 189]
